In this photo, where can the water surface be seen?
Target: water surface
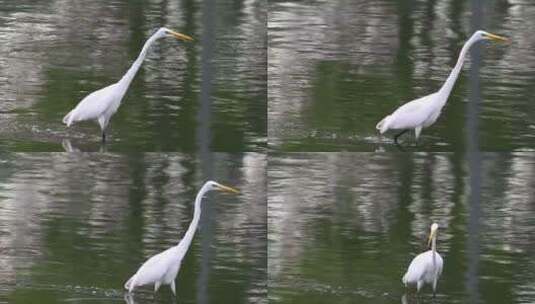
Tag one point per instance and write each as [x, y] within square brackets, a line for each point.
[74, 227]
[343, 228]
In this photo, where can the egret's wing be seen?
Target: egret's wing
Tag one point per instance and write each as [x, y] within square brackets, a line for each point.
[417, 268]
[423, 268]
[412, 114]
[93, 105]
[155, 267]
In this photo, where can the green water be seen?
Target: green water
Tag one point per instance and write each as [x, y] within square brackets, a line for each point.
[336, 68]
[54, 53]
[75, 227]
[343, 228]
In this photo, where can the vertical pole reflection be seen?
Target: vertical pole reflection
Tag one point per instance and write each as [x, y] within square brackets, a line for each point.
[474, 163]
[207, 53]
[203, 140]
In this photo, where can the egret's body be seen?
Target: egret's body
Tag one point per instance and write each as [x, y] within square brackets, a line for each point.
[162, 268]
[426, 267]
[423, 112]
[102, 104]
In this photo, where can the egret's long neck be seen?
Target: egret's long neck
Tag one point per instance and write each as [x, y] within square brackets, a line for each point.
[132, 71]
[450, 82]
[188, 237]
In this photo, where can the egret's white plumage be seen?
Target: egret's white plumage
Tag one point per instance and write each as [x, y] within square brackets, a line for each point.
[423, 112]
[426, 267]
[162, 268]
[102, 104]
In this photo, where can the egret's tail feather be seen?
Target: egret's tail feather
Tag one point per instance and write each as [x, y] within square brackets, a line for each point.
[382, 126]
[68, 119]
[377, 126]
[128, 284]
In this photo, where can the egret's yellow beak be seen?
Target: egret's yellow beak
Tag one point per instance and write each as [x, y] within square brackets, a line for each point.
[495, 37]
[227, 189]
[180, 36]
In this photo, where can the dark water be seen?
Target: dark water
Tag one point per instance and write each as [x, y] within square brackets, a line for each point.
[336, 68]
[343, 228]
[53, 53]
[74, 227]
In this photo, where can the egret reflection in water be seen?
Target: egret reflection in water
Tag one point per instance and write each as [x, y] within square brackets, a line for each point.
[129, 298]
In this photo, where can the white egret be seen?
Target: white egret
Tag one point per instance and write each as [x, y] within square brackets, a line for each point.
[162, 268]
[102, 104]
[423, 112]
[426, 267]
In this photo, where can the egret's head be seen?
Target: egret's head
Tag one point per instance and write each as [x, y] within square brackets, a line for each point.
[211, 185]
[165, 32]
[482, 35]
[432, 234]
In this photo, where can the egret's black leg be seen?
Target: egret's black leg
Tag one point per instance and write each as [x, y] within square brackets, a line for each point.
[104, 137]
[398, 135]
